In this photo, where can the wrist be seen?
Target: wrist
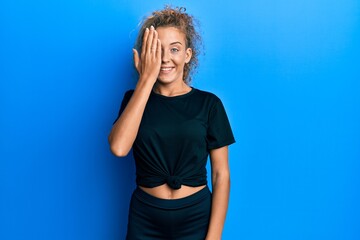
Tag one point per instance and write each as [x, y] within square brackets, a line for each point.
[145, 83]
[145, 80]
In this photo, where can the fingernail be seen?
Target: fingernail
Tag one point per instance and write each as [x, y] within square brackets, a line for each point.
[152, 27]
[147, 29]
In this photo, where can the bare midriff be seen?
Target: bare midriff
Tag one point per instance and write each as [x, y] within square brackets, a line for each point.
[166, 192]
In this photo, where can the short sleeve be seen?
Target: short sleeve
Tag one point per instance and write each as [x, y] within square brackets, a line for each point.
[124, 103]
[219, 133]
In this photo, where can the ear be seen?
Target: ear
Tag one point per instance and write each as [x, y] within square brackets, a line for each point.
[188, 53]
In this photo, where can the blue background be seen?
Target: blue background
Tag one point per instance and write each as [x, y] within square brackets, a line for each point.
[287, 72]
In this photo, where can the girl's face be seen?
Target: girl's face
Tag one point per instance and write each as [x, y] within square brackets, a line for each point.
[174, 54]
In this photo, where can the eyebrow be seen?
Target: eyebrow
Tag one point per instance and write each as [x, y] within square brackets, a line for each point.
[175, 43]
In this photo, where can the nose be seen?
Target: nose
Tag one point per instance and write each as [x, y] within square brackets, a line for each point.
[165, 56]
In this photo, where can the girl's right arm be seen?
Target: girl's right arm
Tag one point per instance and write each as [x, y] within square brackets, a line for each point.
[124, 131]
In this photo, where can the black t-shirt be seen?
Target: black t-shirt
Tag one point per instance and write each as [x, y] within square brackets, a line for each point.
[175, 136]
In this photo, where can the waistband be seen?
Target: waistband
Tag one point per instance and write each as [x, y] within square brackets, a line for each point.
[195, 198]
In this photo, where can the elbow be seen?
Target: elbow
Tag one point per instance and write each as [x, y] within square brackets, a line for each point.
[222, 177]
[118, 149]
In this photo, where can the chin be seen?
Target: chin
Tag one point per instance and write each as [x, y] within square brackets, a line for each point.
[165, 79]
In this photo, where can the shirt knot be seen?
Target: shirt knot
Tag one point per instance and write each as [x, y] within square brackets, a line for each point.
[174, 182]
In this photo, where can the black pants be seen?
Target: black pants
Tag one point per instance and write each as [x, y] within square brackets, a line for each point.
[181, 219]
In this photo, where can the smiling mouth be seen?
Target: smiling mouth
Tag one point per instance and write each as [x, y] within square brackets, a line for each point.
[166, 69]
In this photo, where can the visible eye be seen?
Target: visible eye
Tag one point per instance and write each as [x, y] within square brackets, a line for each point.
[174, 50]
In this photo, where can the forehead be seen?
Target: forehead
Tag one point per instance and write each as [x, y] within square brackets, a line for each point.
[168, 35]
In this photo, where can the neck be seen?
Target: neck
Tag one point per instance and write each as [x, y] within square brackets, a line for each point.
[171, 90]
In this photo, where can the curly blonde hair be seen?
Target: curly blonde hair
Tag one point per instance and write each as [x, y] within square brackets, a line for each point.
[175, 17]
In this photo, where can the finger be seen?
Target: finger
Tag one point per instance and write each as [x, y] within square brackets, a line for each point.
[145, 37]
[154, 43]
[158, 49]
[136, 59]
[149, 39]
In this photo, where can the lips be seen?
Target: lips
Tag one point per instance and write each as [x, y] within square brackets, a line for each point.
[166, 69]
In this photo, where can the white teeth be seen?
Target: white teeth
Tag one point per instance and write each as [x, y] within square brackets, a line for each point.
[166, 69]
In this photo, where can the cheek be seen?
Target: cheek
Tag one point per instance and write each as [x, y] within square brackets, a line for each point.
[180, 60]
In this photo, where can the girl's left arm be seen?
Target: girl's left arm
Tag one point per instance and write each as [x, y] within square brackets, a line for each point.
[220, 175]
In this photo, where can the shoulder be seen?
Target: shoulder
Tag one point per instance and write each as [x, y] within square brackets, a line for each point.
[129, 92]
[207, 98]
[126, 98]
[207, 95]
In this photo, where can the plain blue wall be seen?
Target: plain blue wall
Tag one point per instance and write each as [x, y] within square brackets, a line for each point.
[287, 72]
